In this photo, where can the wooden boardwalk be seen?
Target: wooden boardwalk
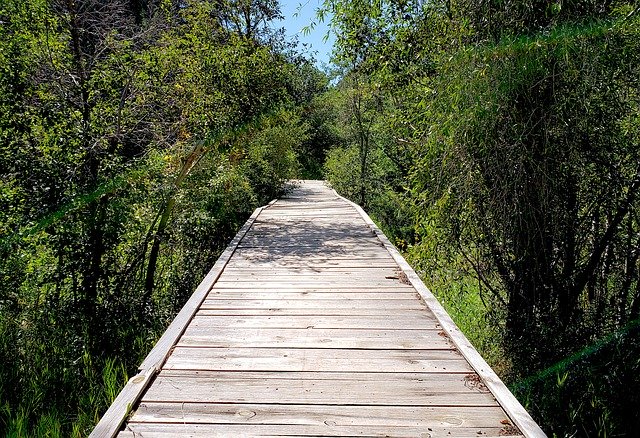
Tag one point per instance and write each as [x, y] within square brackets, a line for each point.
[311, 324]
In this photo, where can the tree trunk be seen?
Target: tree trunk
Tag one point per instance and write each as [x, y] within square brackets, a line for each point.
[196, 155]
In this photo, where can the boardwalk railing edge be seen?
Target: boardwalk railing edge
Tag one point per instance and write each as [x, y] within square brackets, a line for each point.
[518, 414]
[109, 424]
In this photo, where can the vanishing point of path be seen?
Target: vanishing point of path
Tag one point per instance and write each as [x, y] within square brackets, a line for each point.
[311, 324]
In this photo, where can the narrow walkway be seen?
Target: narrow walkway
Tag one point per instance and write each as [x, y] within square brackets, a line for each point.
[315, 326]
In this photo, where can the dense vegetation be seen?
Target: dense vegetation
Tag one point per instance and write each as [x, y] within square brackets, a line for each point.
[499, 143]
[136, 137]
[496, 142]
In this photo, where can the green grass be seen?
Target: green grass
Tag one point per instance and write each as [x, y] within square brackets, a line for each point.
[31, 420]
[461, 297]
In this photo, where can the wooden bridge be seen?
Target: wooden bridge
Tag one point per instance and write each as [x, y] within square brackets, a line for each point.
[312, 324]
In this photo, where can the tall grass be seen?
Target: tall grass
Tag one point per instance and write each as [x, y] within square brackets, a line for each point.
[468, 304]
[103, 387]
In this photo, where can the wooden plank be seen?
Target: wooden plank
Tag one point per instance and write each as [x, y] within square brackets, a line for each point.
[280, 206]
[389, 270]
[308, 200]
[323, 209]
[308, 226]
[266, 287]
[410, 304]
[346, 216]
[428, 390]
[289, 280]
[347, 278]
[276, 311]
[347, 219]
[285, 283]
[318, 205]
[374, 295]
[307, 306]
[300, 359]
[415, 322]
[342, 252]
[297, 263]
[289, 214]
[317, 235]
[315, 239]
[507, 400]
[302, 196]
[327, 430]
[223, 337]
[316, 255]
[363, 245]
[303, 242]
[310, 259]
[470, 381]
[313, 265]
[394, 416]
[317, 284]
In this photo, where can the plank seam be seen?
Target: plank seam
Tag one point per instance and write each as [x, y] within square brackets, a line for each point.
[518, 414]
[109, 424]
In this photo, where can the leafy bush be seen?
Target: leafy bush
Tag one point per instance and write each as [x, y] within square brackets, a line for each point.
[270, 157]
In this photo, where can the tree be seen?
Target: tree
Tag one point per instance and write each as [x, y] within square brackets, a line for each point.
[249, 19]
[543, 183]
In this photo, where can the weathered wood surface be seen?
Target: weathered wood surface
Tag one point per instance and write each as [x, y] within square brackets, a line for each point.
[314, 327]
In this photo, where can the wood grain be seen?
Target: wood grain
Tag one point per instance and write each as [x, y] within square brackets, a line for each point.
[222, 337]
[322, 294]
[143, 430]
[403, 416]
[305, 359]
[317, 303]
[420, 321]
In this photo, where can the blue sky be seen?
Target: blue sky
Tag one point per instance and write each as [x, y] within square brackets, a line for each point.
[306, 11]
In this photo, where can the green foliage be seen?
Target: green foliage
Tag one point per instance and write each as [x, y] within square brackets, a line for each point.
[530, 181]
[363, 164]
[339, 170]
[134, 142]
[512, 133]
[270, 158]
[528, 170]
[323, 133]
[592, 393]
[385, 205]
